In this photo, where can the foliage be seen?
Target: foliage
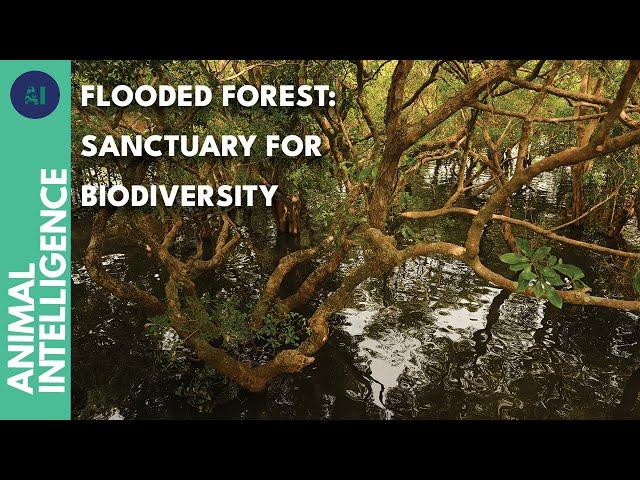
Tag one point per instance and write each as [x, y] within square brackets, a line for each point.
[409, 233]
[229, 323]
[543, 271]
[277, 333]
[405, 200]
[157, 324]
[636, 282]
[205, 389]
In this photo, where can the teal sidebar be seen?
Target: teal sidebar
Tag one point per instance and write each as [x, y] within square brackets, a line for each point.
[35, 288]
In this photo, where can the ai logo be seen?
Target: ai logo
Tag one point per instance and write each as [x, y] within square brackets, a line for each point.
[33, 98]
[35, 94]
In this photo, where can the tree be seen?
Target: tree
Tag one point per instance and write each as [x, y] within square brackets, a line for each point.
[390, 120]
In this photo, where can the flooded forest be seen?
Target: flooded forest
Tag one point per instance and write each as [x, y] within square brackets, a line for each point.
[467, 246]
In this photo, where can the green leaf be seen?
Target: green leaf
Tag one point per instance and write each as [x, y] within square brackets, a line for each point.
[407, 232]
[556, 282]
[522, 285]
[540, 253]
[551, 276]
[552, 260]
[513, 258]
[518, 266]
[580, 285]
[539, 289]
[524, 246]
[553, 297]
[527, 274]
[363, 174]
[636, 282]
[570, 271]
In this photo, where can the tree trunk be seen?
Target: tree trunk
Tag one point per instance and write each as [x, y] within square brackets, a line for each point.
[385, 186]
[594, 86]
[621, 215]
[577, 189]
[287, 215]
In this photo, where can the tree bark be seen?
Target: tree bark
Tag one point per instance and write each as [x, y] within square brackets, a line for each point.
[400, 136]
[286, 213]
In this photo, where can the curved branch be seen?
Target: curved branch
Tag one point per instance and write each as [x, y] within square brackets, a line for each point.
[522, 223]
[456, 251]
[615, 109]
[572, 296]
[197, 266]
[251, 378]
[93, 261]
[306, 290]
[270, 291]
[587, 213]
[559, 92]
[462, 99]
[432, 78]
[535, 119]
[570, 156]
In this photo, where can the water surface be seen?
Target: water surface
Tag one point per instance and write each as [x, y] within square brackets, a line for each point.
[430, 340]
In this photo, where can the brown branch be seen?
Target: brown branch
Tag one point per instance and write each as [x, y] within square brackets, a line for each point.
[463, 98]
[570, 156]
[522, 223]
[450, 141]
[425, 84]
[615, 109]
[523, 144]
[531, 76]
[559, 92]
[361, 74]
[572, 296]
[173, 231]
[93, 261]
[587, 213]
[400, 137]
[306, 290]
[223, 247]
[395, 95]
[535, 119]
[396, 257]
[270, 291]
[251, 378]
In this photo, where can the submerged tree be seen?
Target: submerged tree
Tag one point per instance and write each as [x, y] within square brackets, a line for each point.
[501, 124]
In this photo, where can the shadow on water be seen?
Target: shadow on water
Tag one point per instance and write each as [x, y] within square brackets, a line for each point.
[629, 396]
[430, 340]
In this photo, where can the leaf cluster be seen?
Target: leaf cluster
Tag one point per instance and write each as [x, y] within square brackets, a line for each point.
[542, 271]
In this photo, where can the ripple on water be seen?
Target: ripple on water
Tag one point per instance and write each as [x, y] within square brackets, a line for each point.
[454, 347]
[430, 340]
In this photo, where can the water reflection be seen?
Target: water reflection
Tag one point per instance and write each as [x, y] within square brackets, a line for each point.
[430, 340]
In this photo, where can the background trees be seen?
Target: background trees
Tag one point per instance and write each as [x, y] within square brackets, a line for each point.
[499, 124]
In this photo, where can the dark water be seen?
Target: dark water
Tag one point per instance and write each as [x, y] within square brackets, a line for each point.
[429, 341]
